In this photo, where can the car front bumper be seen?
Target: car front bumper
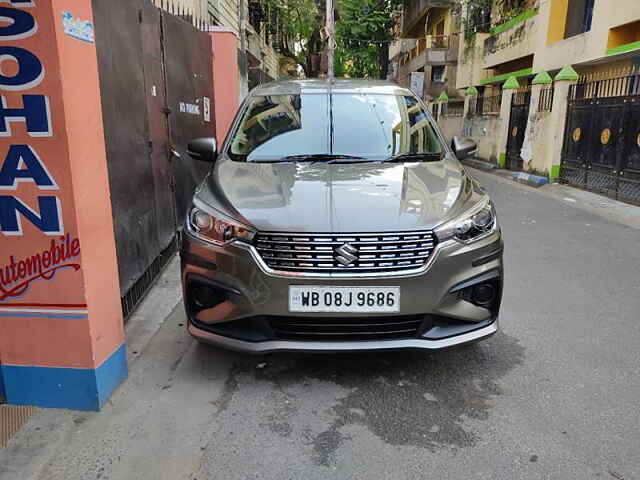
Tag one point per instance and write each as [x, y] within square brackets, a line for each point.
[269, 346]
[251, 295]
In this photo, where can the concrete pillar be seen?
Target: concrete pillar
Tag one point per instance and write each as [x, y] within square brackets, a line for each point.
[225, 79]
[562, 82]
[470, 98]
[508, 90]
[442, 100]
[439, 106]
[535, 123]
[62, 340]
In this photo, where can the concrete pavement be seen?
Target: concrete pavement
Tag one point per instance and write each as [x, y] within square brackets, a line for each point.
[555, 394]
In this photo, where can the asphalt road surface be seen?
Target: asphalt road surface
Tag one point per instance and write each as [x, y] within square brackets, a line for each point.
[554, 395]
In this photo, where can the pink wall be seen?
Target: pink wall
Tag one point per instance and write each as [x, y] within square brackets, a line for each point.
[64, 313]
[225, 80]
[88, 161]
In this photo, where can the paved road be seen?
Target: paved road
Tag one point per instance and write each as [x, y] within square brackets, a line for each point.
[554, 395]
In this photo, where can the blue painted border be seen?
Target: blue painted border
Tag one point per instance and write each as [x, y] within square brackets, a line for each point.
[73, 388]
[111, 373]
[529, 179]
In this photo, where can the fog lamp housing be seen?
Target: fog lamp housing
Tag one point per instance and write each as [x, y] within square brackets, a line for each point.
[201, 296]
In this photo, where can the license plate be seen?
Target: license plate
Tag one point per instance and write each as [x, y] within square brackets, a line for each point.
[344, 299]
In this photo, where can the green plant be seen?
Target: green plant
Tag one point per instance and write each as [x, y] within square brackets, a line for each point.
[363, 34]
[507, 9]
[298, 24]
[469, 47]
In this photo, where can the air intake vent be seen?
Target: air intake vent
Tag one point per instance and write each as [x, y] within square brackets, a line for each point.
[349, 328]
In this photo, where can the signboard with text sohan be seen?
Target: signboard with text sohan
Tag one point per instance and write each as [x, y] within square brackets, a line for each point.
[39, 246]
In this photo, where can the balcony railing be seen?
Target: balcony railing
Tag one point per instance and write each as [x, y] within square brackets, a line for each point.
[442, 48]
[488, 105]
[412, 8]
[545, 101]
[453, 108]
[439, 41]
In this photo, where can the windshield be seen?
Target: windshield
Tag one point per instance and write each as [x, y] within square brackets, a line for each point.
[372, 127]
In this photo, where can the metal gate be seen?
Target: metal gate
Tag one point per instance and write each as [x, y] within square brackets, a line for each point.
[188, 61]
[518, 119]
[155, 72]
[601, 150]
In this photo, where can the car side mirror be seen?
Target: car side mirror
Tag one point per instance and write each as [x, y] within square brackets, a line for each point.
[204, 149]
[463, 147]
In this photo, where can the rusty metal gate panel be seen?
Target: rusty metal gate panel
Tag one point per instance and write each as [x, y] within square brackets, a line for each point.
[603, 159]
[517, 126]
[629, 178]
[155, 94]
[577, 135]
[189, 81]
[156, 79]
[124, 109]
[601, 150]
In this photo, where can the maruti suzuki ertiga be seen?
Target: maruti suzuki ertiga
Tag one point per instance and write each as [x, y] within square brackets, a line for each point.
[336, 218]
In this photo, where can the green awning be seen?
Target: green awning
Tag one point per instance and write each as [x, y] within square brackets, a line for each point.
[525, 72]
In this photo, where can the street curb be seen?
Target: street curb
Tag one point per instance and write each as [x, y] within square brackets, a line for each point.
[612, 210]
[481, 164]
[528, 179]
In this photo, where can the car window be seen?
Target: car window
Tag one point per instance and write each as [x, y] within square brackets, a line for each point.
[276, 126]
[373, 126]
[378, 126]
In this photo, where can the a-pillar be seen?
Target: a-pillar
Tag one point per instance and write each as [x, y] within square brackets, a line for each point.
[562, 83]
[61, 331]
[508, 90]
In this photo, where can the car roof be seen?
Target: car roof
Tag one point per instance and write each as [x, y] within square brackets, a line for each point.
[292, 87]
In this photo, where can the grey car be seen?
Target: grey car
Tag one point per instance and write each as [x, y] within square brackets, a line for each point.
[336, 218]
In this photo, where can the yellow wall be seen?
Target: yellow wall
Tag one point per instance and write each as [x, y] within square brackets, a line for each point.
[436, 16]
[557, 20]
[624, 34]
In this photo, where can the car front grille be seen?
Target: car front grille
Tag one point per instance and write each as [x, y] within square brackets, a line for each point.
[345, 253]
[348, 328]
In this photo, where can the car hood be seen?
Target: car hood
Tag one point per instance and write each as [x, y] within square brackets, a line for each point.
[320, 197]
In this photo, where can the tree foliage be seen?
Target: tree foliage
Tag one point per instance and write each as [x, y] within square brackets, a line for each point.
[298, 24]
[363, 34]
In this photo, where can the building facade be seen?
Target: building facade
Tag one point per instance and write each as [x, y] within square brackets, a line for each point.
[250, 21]
[426, 47]
[533, 36]
[552, 87]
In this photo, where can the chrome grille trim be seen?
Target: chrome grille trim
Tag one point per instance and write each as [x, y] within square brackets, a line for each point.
[314, 252]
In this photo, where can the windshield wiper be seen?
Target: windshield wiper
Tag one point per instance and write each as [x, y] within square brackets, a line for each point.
[313, 158]
[321, 157]
[415, 157]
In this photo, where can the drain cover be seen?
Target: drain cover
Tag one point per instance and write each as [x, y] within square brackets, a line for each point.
[11, 419]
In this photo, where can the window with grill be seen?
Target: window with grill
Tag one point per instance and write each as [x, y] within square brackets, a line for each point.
[579, 17]
[438, 73]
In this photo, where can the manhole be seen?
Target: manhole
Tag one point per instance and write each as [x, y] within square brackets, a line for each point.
[11, 420]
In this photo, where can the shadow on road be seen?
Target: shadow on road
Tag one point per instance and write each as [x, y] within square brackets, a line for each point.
[404, 398]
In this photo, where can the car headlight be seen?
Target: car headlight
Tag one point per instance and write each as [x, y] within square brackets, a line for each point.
[216, 229]
[475, 224]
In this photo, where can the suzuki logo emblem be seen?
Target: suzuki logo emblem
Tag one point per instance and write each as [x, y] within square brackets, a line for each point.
[346, 254]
